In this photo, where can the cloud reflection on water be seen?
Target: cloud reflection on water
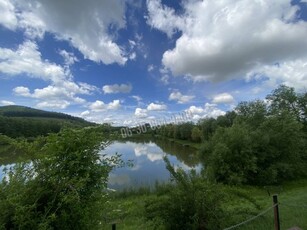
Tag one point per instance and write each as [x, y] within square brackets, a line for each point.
[148, 164]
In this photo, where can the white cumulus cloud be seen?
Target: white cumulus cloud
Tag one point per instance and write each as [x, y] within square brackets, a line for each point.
[22, 91]
[291, 73]
[27, 60]
[163, 18]
[69, 58]
[208, 110]
[5, 102]
[180, 98]
[99, 106]
[85, 24]
[7, 14]
[156, 107]
[116, 88]
[85, 113]
[56, 97]
[223, 98]
[140, 113]
[222, 40]
[53, 104]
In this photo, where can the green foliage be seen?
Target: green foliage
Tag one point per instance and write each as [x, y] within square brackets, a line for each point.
[5, 140]
[279, 147]
[210, 125]
[185, 130]
[19, 121]
[265, 145]
[21, 111]
[196, 134]
[27, 127]
[10, 151]
[302, 104]
[65, 189]
[284, 98]
[191, 203]
[231, 157]
[253, 113]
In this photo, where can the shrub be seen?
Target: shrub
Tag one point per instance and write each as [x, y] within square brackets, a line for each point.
[192, 203]
[63, 189]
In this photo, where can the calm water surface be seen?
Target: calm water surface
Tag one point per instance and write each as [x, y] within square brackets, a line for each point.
[148, 164]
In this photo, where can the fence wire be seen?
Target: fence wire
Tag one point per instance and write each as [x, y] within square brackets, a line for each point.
[263, 219]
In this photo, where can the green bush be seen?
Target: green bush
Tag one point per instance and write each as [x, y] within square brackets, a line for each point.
[266, 144]
[191, 203]
[63, 189]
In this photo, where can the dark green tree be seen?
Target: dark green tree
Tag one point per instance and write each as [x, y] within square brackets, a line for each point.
[284, 98]
[208, 127]
[253, 113]
[196, 134]
[231, 159]
[185, 130]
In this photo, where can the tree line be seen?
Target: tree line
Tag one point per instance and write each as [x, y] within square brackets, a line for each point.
[259, 142]
[22, 111]
[19, 121]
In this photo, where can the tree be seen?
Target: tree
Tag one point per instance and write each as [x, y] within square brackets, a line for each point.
[265, 145]
[226, 120]
[302, 104]
[231, 159]
[63, 189]
[208, 127]
[284, 98]
[196, 134]
[185, 130]
[279, 146]
[253, 112]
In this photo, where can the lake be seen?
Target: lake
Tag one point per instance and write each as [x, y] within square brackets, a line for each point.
[148, 164]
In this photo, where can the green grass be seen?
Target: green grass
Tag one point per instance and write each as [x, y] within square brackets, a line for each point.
[242, 203]
[129, 214]
[292, 199]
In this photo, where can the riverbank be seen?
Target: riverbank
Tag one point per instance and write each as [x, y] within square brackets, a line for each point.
[184, 143]
[131, 207]
[149, 136]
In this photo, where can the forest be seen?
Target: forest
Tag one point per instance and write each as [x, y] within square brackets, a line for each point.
[20, 121]
[63, 181]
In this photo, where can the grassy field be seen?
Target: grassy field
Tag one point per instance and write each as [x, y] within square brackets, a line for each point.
[292, 199]
[242, 204]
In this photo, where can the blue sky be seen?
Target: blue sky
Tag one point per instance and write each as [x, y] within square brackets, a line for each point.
[133, 61]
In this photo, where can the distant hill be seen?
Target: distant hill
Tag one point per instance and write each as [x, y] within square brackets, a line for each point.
[22, 111]
[21, 121]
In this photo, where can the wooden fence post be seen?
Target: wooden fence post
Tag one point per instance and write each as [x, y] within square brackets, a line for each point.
[114, 226]
[276, 212]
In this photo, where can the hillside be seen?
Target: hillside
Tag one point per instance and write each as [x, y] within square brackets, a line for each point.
[20, 121]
